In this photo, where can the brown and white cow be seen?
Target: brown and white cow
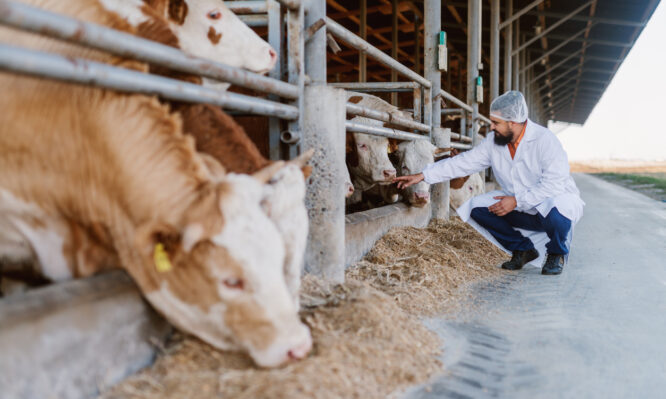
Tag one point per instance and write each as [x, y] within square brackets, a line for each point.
[367, 155]
[413, 156]
[93, 177]
[204, 28]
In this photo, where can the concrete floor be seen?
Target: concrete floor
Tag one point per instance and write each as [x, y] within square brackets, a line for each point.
[596, 331]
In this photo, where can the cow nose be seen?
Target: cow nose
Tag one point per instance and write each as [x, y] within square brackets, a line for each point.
[389, 173]
[422, 195]
[273, 56]
[350, 189]
[300, 351]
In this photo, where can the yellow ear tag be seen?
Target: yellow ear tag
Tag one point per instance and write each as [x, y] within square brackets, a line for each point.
[388, 149]
[162, 262]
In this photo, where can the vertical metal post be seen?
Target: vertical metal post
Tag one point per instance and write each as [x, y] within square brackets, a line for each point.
[494, 48]
[417, 44]
[508, 37]
[315, 48]
[432, 11]
[394, 46]
[473, 60]
[296, 74]
[521, 60]
[417, 104]
[514, 62]
[324, 131]
[275, 34]
[362, 57]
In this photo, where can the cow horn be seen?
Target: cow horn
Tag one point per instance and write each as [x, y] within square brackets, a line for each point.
[302, 159]
[267, 173]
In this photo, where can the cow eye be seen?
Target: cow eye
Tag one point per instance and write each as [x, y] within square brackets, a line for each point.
[234, 283]
[216, 14]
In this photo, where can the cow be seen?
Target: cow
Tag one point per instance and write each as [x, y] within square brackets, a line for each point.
[413, 156]
[90, 177]
[366, 155]
[204, 28]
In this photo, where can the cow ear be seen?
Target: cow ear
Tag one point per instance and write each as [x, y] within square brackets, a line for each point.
[153, 233]
[177, 11]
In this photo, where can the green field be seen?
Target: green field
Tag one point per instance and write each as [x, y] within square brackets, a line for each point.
[650, 184]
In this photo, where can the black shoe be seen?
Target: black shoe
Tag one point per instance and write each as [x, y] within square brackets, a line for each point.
[553, 265]
[519, 259]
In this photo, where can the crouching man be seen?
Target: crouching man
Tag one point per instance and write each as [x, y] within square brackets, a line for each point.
[539, 203]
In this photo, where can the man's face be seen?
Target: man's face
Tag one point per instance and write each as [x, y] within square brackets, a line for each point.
[503, 131]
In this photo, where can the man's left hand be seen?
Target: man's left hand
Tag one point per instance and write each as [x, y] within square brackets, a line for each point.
[504, 206]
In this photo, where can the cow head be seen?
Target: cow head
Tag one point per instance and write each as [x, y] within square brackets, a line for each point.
[367, 159]
[220, 275]
[413, 156]
[204, 28]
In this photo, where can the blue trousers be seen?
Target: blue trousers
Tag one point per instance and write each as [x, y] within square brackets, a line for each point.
[555, 225]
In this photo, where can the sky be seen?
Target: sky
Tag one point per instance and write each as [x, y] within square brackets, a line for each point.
[627, 122]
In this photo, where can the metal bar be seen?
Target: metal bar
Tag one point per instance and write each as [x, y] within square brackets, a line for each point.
[559, 64]
[275, 33]
[473, 60]
[515, 83]
[358, 110]
[315, 48]
[450, 97]
[290, 4]
[461, 146]
[518, 14]
[296, 73]
[394, 46]
[363, 57]
[593, 41]
[483, 118]
[452, 111]
[75, 70]
[432, 14]
[554, 49]
[460, 138]
[376, 85]
[508, 36]
[416, 104]
[348, 37]
[254, 19]
[383, 131]
[247, 7]
[553, 26]
[494, 49]
[123, 44]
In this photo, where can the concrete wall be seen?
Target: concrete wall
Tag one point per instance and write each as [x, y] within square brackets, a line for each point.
[362, 229]
[71, 339]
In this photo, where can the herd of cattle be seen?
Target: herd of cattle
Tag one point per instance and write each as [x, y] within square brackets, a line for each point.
[177, 194]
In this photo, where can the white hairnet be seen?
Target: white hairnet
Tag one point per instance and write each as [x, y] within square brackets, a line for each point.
[510, 106]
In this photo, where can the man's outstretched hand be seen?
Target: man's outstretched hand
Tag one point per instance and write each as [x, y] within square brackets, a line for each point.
[409, 180]
[504, 206]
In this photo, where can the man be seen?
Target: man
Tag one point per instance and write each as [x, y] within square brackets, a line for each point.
[538, 194]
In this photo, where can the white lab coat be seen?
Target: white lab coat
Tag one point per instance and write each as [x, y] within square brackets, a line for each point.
[538, 177]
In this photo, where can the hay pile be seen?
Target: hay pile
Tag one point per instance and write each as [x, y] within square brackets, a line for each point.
[368, 340]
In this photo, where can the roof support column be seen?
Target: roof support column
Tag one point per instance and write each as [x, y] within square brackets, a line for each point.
[515, 84]
[394, 46]
[494, 49]
[362, 57]
[508, 37]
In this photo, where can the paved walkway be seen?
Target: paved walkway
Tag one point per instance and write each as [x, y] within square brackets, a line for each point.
[596, 331]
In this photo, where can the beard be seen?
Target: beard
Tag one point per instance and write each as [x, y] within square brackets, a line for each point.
[502, 140]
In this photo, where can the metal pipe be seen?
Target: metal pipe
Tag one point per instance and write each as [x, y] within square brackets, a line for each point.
[494, 48]
[515, 62]
[461, 146]
[275, 34]
[363, 57]
[296, 73]
[75, 70]
[123, 44]
[553, 26]
[383, 131]
[559, 46]
[409, 86]
[254, 19]
[359, 44]
[458, 137]
[508, 37]
[358, 110]
[315, 48]
[448, 96]
[483, 118]
[473, 60]
[432, 14]
[394, 46]
[518, 14]
[247, 7]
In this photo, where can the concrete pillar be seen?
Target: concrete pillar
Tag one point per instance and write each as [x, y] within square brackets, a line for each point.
[508, 37]
[494, 49]
[324, 130]
[315, 48]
